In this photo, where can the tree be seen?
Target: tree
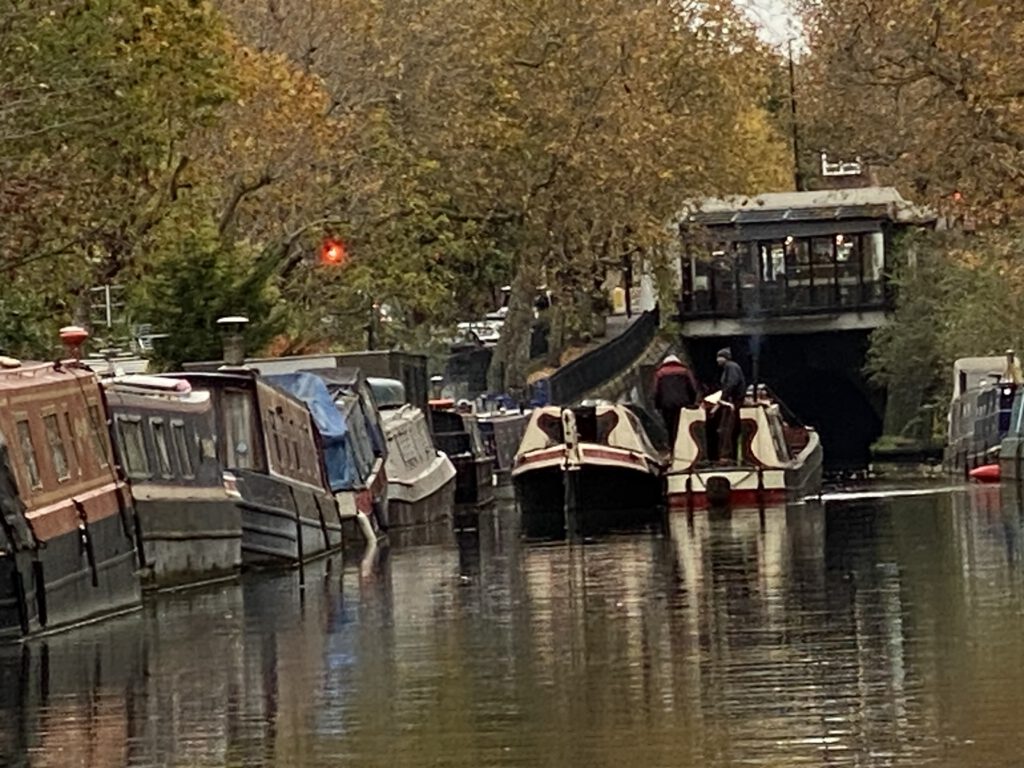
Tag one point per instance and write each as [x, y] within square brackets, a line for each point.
[928, 92]
[193, 277]
[95, 100]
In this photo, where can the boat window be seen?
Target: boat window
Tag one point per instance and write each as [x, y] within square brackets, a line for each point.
[72, 439]
[271, 427]
[97, 423]
[58, 452]
[133, 445]
[238, 430]
[28, 451]
[180, 439]
[163, 452]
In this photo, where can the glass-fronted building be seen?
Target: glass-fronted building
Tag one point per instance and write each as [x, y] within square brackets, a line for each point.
[791, 254]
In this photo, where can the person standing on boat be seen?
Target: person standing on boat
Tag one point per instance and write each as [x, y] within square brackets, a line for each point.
[1012, 375]
[734, 388]
[675, 388]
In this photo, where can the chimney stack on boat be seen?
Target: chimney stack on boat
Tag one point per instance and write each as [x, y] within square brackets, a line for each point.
[233, 332]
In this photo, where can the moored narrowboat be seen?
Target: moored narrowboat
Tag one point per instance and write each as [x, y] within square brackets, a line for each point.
[980, 412]
[777, 459]
[165, 435]
[421, 479]
[502, 431]
[268, 442]
[594, 460]
[458, 436]
[67, 552]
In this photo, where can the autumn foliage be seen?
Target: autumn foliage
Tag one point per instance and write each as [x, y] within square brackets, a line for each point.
[452, 147]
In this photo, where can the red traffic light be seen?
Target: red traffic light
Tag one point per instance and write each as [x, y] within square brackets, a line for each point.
[332, 253]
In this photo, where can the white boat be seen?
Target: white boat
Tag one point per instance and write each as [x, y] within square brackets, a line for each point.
[421, 479]
[776, 461]
[601, 454]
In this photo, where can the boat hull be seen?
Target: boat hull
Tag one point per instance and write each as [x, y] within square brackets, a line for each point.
[285, 523]
[474, 480]
[743, 486]
[434, 508]
[606, 498]
[61, 584]
[189, 540]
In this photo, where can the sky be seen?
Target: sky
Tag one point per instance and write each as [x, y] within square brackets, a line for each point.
[777, 22]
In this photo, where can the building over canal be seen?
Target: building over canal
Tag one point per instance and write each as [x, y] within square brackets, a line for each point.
[794, 283]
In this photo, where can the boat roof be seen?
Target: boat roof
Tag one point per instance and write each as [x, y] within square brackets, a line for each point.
[816, 205]
[28, 374]
[979, 371]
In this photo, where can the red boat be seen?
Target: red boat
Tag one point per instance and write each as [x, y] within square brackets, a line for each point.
[67, 548]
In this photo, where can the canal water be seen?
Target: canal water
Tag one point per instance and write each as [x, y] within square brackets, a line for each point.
[862, 631]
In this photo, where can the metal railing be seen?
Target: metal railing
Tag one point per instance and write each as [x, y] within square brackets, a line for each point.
[573, 381]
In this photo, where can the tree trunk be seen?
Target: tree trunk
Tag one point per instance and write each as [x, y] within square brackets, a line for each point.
[512, 353]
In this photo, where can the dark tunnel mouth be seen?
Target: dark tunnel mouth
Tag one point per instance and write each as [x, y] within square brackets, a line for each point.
[820, 377]
[837, 408]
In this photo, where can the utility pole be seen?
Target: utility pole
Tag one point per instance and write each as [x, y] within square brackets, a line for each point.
[798, 177]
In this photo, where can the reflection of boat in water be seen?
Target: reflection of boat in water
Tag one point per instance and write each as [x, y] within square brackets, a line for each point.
[165, 434]
[598, 455]
[421, 479]
[67, 545]
[778, 460]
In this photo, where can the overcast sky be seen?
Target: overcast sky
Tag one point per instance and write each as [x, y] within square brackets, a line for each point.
[774, 17]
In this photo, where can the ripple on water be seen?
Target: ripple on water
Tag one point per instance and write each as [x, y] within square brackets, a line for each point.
[865, 631]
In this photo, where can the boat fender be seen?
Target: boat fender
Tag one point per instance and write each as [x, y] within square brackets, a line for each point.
[87, 544]
[987, 473]
[366, 527]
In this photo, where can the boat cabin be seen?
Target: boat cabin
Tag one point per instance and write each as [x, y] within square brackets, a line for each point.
[980, 412]
[268, 441]
[68, 547]
[262, 428]
[54, 420]
[165, 433]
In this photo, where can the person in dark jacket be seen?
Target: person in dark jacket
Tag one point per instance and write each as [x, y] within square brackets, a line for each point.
[675, 388]
[734, 387]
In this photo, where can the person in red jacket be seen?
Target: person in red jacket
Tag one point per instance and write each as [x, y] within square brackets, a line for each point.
[675, 388]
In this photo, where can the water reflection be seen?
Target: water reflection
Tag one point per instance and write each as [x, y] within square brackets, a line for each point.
[864, 631]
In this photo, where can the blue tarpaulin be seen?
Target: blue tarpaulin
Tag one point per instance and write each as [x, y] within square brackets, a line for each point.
[330, 423]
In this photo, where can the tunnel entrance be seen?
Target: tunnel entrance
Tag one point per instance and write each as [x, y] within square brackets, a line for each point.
[820, 377]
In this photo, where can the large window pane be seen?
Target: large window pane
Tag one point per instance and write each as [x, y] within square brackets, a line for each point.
[163, 452]
[58, 453]
[133, 446]
[28, 453]
[181, 448]
[238, 430]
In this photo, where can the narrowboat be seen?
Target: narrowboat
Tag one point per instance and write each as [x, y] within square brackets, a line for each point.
[594, 460]
[502, 432]
[165, 433]
[67, 552]
[979, 414]
[421, 479]
[268, 442]
[1011, 449]
[352, 441]
[458, 436]
[777, 459]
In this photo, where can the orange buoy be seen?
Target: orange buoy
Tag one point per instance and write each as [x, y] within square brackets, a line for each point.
[987, 473]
